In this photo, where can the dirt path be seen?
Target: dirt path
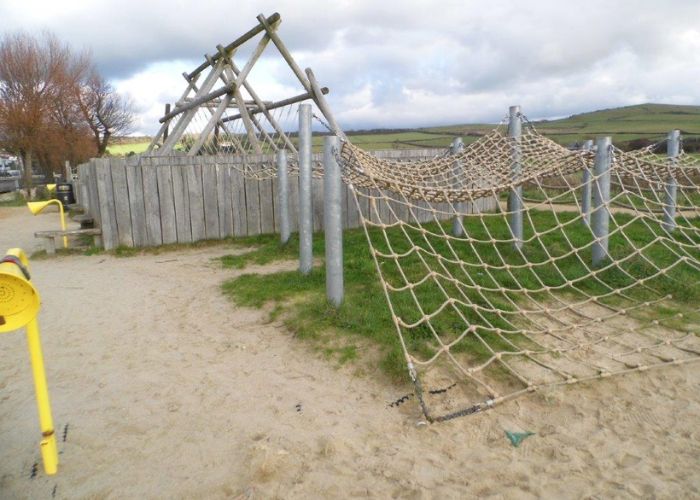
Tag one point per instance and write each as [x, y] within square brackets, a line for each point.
[167, 390]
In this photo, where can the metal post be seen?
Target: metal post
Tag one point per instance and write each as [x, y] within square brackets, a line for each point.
[333, 220]
[515, 198]
[305, 214]
[283, 190]
[600, 217]
[673, 147]
[457, 227]
[586, 188]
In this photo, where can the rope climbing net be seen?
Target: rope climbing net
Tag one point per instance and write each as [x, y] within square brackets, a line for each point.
[490, 305]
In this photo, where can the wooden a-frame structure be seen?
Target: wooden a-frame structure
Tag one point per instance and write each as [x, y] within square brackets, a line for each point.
[199, 94]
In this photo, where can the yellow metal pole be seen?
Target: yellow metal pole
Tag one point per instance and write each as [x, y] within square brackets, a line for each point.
[63, 223]
[49, 451]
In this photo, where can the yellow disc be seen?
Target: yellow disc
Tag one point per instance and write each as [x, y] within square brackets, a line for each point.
[19, 301]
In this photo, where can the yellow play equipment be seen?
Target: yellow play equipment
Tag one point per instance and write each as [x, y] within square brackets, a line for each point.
[51, 188]
[37, 206]
[19, 306]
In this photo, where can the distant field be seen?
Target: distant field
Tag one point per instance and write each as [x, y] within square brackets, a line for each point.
[645, 121]
[125, 149]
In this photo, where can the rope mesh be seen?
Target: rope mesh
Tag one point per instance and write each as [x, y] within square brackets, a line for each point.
[492, 319]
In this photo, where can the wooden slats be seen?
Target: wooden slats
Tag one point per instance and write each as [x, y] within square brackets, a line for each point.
[151, 201]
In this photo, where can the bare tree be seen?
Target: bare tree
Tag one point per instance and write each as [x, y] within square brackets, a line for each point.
[105, 111]
[38, 78]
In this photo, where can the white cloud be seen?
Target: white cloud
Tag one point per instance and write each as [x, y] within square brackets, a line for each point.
[400, 63]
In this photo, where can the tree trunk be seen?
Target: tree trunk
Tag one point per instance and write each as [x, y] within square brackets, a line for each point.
[28, 180]
[102, 145]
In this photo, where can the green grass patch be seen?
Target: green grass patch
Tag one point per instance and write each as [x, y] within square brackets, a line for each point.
[15, 201]
[364, 316]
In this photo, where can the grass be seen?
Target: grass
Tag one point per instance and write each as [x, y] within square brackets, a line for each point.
[364, 316]
[16, 201]
[125, 149]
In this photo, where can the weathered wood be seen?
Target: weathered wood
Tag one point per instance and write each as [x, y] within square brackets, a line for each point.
[272, 20]
[121, 202]
[108, 217]
[252, 198]
[166, 201]
[196, 200]
[224, 200]
[181, 201]
[134, 182]
[279, 104]
[211, 204]
[317, 203]
[154, 235]
[94, 206]
[267, 202]
[238, 203]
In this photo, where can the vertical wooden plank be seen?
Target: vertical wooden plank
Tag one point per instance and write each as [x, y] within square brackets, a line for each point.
[108, 218]
[92, 191]
[121, 202]
[294, 203]
[134, 183]
[194, 188]
[317, 203]
[223, 196]
[353, 216]
[275, 208]
[166, 201]
[238, 203]
[181, 200]
[252, 199]
[211, 207]
[151, 203]
[267, 202]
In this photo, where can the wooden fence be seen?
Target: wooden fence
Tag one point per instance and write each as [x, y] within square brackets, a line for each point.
[148, 201]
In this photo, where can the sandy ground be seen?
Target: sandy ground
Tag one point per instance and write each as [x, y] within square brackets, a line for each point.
[164, 389]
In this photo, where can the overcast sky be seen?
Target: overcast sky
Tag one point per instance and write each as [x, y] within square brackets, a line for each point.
[393, 63]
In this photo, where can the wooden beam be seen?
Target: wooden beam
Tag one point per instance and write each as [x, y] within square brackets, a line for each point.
[273, 19]
[283, 50]
[279, 104]
[323, 105]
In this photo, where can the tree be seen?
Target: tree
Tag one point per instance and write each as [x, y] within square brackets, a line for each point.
[105, 111]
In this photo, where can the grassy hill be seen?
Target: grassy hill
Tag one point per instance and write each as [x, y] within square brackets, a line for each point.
[642, 123]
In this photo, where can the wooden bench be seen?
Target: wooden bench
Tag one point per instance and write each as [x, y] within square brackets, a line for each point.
[49, 237]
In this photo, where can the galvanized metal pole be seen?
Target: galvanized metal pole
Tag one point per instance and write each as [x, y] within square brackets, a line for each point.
[586, 188]
[673, 147]
[600, 218]
[457, 227]
[283, 191]
[305, 186]
[515, 197]
[333, 220]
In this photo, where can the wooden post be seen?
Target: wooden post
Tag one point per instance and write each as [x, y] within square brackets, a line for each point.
[167, 123]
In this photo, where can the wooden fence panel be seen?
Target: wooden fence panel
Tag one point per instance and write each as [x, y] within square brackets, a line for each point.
[154, 233]
[166, 201]
[194, 188]
[105, 192]
[238, 203]
[181, 200]
[267, 203]
[121, 202]
[134, 182]
[150, 201]
[252, 203]
[223, 197]
[211, 203]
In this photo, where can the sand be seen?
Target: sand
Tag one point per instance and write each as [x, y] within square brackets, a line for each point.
[168, 390]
